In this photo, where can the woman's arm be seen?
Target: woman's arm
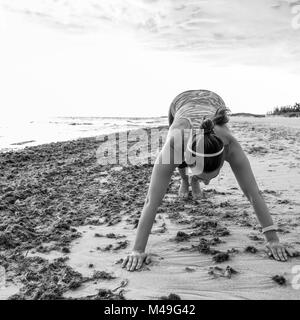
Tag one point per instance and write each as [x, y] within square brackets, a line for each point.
[241, 168]
[161, 175]
[160, 178]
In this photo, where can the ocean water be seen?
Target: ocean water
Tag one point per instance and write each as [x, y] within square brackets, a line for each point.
[17, 134]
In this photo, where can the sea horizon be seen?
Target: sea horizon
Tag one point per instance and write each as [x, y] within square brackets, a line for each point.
[50, 129]
[42, 130]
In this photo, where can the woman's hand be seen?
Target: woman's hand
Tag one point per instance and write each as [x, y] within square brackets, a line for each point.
[135, 260]
[279, 251]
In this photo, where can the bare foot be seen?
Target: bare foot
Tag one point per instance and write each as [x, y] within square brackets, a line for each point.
[184, 190]
[196, 190]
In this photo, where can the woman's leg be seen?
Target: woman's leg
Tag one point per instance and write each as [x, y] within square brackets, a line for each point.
[196, 190]
[184, 186]
[170, 117]
[186, 182]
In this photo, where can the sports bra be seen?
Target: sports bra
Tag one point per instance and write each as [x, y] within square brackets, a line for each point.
[196, 105]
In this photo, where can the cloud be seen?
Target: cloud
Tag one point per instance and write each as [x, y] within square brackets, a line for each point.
[197, 27]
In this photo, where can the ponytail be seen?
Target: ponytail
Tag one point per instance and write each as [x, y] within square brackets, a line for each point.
[208, 126]
[221, 116]
[212, 143]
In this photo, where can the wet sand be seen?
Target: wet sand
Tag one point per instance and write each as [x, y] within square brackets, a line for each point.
[67, 222]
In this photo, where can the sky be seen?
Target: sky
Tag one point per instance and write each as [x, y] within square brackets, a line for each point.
[132, 57]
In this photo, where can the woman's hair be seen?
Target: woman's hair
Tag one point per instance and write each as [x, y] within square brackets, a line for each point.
[212, 143]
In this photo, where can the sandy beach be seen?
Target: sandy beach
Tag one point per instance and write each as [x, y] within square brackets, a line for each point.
[67, 222]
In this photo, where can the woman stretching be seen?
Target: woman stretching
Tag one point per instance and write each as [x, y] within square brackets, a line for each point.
[199, 158]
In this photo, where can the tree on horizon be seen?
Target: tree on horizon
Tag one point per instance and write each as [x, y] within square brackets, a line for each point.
[285, 109]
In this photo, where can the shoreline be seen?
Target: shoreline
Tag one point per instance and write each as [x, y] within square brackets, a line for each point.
[93, 137]
[67, 222]
[267, 120]
[50, 130]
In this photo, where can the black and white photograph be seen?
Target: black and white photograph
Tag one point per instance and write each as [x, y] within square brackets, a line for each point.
[149, 150]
